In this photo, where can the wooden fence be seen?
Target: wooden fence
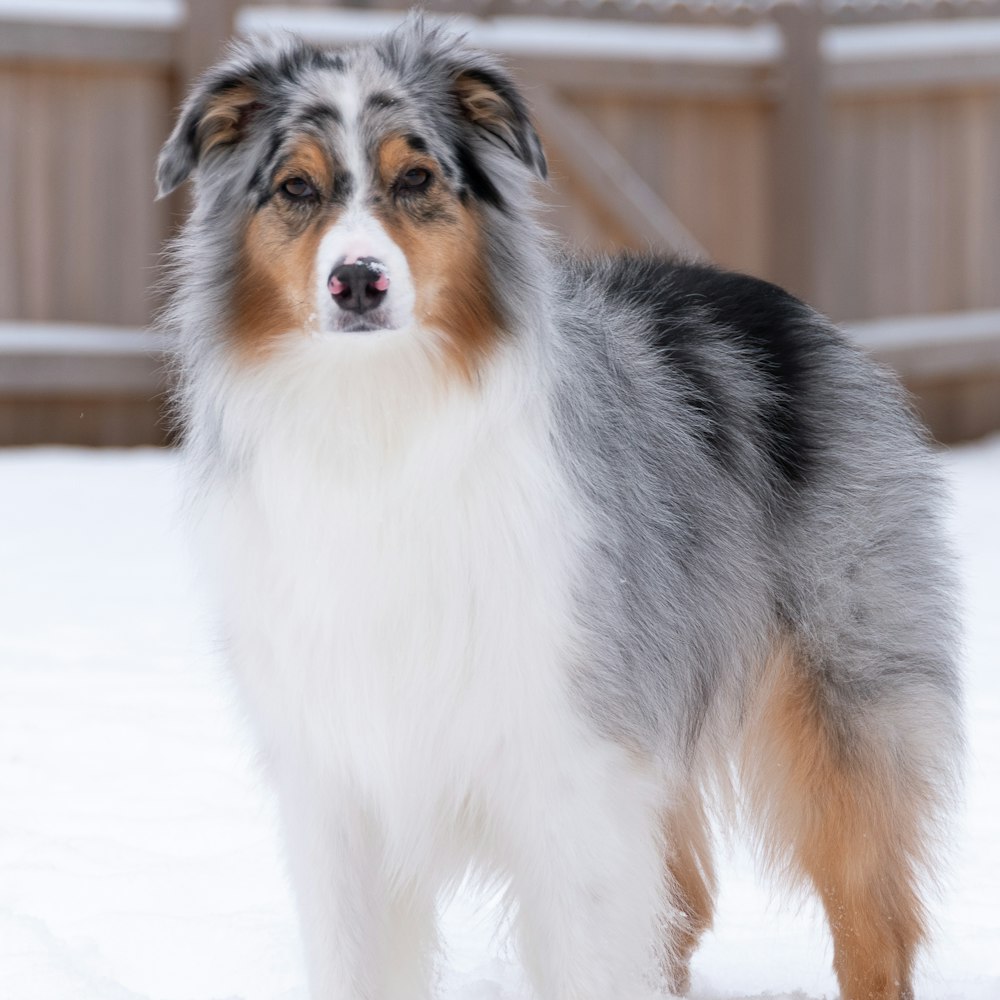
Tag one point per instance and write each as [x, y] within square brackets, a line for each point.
[841, 152]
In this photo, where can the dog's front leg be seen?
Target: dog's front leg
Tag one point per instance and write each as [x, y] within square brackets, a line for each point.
[335, 862]
[587, 875]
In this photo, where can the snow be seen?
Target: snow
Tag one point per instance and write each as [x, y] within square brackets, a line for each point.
[112, 13]
[138, 855]
[960, 38]
[58, 339]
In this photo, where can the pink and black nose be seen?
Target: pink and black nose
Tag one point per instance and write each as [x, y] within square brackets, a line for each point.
[360, 285]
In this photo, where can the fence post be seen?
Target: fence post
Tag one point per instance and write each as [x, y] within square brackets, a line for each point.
[208, 24]
[800, 194]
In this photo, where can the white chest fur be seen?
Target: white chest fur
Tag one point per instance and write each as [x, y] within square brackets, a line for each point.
[398, 558]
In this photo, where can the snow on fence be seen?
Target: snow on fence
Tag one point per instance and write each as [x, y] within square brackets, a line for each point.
[853, 162]
[81, 384]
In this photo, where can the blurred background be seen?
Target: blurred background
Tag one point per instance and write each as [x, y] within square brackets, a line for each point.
[849, 150]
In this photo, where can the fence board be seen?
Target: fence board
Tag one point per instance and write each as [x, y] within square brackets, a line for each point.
[79, 147]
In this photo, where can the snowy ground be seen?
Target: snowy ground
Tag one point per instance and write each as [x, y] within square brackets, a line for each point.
[137, 850]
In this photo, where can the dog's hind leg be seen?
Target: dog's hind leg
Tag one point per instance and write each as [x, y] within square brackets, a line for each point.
[692, 879]
[843, 776]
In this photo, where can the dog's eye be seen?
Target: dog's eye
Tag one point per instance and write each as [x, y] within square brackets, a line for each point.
[298, 188]
[415, 179]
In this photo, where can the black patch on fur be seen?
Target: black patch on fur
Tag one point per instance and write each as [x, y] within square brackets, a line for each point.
[319, 115]
[784, 341]
[270, 74]
[415, 143]
[260, 183]
[326, 60]
[693, 305]
[343, 186]
[477, 182]
[302, 57]
[381, 100]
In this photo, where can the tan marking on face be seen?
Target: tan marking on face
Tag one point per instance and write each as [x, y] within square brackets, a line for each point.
[275, 290]
[310, 161]
[845, 815]
[443, 243]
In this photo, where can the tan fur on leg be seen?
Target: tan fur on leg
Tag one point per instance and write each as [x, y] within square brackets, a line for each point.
[840, 809]
[692, 879]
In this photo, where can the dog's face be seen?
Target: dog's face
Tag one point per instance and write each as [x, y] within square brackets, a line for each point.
[356, 188]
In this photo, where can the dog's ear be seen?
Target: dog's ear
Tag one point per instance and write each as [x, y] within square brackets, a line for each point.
[490, 101]
[216, 114]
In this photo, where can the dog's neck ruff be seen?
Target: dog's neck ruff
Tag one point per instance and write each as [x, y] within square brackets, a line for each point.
[354, 404]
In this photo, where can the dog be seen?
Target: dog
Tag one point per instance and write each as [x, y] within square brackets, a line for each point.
[523, 559]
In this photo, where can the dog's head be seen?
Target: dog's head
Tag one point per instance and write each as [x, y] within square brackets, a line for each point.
[356, 190]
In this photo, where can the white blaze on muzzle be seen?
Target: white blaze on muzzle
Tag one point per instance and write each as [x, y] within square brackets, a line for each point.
[363, 282]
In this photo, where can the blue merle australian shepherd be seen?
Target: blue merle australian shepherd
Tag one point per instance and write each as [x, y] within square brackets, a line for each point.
[524, 560]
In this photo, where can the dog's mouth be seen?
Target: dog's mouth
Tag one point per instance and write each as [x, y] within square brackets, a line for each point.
[377, 321]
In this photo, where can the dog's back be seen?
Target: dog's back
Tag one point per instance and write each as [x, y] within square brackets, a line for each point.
[521, 555]
[756, 469]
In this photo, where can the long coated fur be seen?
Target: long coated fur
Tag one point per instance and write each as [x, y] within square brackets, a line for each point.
[521, 555]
